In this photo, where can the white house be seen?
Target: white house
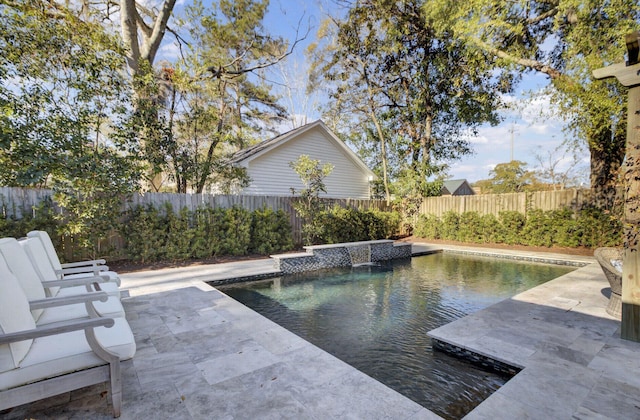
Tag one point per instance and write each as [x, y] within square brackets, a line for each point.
[267, 163]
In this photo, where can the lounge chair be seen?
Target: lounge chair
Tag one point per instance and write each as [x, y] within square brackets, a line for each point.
[38, 256]
[38, 362]
[74, 269]
[20, 265]
[610, 260]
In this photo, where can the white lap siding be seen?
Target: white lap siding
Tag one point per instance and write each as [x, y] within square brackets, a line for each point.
[271, 174]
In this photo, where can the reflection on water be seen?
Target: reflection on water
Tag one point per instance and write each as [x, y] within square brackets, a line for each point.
[376, 318]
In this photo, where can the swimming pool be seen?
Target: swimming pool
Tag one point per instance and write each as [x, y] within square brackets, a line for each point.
[376, 318]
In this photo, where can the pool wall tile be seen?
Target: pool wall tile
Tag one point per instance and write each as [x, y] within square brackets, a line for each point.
[337, 255]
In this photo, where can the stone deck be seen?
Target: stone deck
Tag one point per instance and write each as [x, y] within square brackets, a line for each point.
[202, 355]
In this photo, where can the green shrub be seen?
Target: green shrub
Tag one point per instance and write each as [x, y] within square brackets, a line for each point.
[40, 217]
[589, 228]
[201, 244]
[449, 230]
[144, 234]
[428, 226]
[341, 225]
[231, 231]
[599, 228]
[491, 229]
[348, 225]
[512, 224]
[177, 245]
[470, 228]
[567, 228]
[206, 232]
[386, 224]
[539, 229]
[270, 231]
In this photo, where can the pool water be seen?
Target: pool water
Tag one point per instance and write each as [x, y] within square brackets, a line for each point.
[376, 318]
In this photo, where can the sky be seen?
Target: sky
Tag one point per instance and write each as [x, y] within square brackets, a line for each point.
[531, 129]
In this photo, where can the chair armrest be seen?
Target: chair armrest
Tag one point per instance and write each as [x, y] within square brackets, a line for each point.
[55, 329]
[81, 281]
[68, 300]
[86, 269]
[83, 263]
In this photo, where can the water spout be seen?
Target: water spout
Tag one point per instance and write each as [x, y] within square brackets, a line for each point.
[359, 254]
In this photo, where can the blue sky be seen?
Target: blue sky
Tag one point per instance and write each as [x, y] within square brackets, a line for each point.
[534, 126]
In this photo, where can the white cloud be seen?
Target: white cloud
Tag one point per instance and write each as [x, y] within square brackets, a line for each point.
[169, 52]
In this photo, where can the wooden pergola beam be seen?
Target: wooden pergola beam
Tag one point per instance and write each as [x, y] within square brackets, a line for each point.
[628, 74]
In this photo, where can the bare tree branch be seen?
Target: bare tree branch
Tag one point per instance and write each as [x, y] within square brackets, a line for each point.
[543, 16]
[550, 71]
[222, 71]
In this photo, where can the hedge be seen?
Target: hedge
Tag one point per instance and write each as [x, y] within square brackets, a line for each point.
[590, 228]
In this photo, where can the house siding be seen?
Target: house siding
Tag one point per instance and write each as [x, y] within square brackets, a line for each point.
[272, 175]
[464, 189]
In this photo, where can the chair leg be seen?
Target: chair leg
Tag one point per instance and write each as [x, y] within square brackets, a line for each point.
[115, 384]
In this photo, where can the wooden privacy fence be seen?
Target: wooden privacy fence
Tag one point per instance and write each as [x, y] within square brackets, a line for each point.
[495, 203]
[15, 202]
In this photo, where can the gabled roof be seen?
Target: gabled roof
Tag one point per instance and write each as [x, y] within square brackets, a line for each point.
[450, 186]
[250, 153]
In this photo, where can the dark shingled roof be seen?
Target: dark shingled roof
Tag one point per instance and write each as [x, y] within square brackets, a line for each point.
[450, 186]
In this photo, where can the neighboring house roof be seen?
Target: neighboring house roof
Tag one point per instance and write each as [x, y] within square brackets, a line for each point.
[244, 156]
[451, 186]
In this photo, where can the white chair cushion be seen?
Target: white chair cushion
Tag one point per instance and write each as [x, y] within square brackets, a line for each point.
[38, 256]
[64, 353]
[52, 255]
[14, 316]
[48, 246]
[21, 267]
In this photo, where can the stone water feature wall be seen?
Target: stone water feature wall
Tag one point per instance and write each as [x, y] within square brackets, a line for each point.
[318, 257]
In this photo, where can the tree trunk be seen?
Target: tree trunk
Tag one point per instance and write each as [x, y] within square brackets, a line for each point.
[133, 29]
[607, 154]
[383, 157]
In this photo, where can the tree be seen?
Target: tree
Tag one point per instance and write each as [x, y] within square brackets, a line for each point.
[65, 121]
[511, 177]
[559, 168]
[565, 40]
[242, 54]
[309, 205]
[365, 103]
[210, 117]
[386, 64]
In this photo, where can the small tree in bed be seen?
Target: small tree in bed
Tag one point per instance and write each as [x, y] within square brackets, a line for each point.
[308, 205]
